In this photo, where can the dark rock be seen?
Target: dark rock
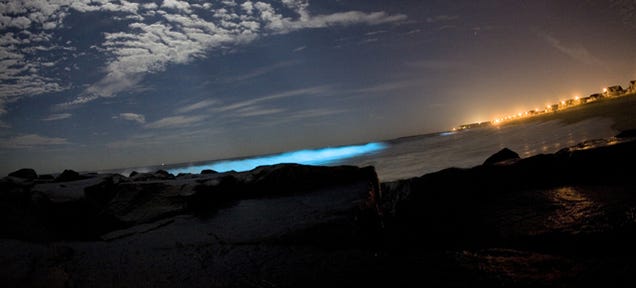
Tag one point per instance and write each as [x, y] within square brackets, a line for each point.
[627, 134]
[25, 173]
[503, 155]
[133, 173]
[46, 177]
[68, 175]
[163, 174]
[158, 175]
[450, 203]
[138, 203]
[208, 171]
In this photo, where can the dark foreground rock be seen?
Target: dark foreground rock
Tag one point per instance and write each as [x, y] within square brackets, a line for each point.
[504, 154]
[24, 174]
[560, 220]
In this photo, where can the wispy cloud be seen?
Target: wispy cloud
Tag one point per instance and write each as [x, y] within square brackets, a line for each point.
[176, 122]
[261, 71]
[55, 117]
[299, 116]
[441, 18]
[139, 118]
[30, 141]
[257, 111]
[375, 32]
[275, 96]
[298, 49]
[386, 87]
[576, 52]
[196, 106]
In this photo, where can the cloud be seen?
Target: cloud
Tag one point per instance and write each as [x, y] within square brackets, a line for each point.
[25, 66]
[176, 122]
[153, 37]
[55, 117]
[175, 4]
[139, 118]
[196, 106]
[375, 32]
[261, 71]
[280, 95]
[576, 52]
[257, 111]
[30, 141]
[298, 49]
[441, 18]
[336, 19]
[386, 87]
[188, 34]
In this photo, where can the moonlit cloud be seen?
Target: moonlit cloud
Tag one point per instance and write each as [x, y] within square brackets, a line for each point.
[147, 45]
[30, 140]
[196, 106]
[386, 87]
[263, 70]
[441, 18]
[55, 117]
[176, 122]
[188, 34]
[280, 95]
[576, 52]
[141, 119]
[298, 49]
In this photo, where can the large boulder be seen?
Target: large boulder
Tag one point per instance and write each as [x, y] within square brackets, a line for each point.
[627, 134]
[504, 154]
[25, 173]
[158, 175]
[68, 175]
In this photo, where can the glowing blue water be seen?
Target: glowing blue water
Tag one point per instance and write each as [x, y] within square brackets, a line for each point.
[322, 156]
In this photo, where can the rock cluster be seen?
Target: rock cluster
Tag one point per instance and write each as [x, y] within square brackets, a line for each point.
[85, 206]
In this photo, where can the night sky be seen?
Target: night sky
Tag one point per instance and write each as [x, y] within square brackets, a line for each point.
[93, 85]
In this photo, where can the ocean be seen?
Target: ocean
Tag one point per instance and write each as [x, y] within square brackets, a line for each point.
[417, 155]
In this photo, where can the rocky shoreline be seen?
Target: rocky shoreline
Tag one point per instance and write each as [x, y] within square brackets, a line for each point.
[566, 219]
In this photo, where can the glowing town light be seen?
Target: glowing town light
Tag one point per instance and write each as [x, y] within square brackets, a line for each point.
[322, 156]
[577, 98]
[562, 102]
[604, 90]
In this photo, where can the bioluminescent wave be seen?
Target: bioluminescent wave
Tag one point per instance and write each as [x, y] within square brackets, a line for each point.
[322, 156]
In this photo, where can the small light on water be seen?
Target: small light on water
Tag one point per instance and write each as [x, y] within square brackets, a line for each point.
[320, 156]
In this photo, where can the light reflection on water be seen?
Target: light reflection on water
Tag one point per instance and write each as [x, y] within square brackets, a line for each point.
[415, 156]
